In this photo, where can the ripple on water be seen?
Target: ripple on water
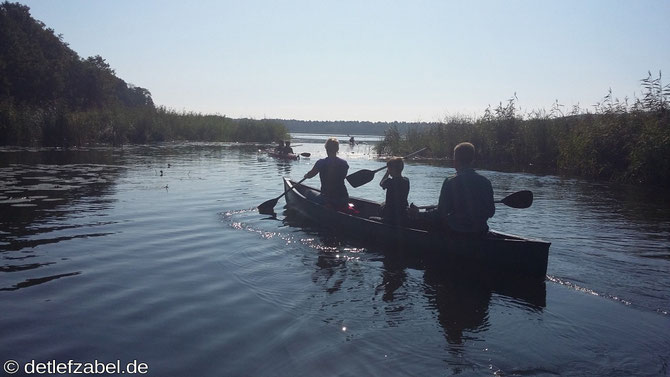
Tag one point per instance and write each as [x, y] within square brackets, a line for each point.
[179, 270]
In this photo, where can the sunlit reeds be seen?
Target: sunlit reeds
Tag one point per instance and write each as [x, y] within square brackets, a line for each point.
[622, 140]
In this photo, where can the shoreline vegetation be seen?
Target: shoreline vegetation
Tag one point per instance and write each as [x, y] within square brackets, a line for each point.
[621, 140]
[348, 127]
[49, 96]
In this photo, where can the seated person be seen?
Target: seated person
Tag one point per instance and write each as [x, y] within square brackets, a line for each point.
[280, 147]
[287, 148]
[332, 171]
[466, 199]
[394, 210]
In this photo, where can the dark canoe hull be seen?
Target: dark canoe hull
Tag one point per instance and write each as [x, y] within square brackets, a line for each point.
[507, 254]
[281, 156]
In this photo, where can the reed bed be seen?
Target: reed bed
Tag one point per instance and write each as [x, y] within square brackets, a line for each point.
[620, 140]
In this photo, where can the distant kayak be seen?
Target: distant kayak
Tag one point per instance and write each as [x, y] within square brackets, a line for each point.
[282, 156]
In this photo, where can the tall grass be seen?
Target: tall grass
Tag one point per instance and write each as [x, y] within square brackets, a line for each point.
[56, 126]
[621, 140]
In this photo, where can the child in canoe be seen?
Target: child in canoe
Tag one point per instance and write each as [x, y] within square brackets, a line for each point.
[394, 209]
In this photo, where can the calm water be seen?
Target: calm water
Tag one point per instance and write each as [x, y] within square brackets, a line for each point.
[105, 258]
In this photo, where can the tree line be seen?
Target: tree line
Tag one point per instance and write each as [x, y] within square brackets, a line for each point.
[51, 96]
[620, 140]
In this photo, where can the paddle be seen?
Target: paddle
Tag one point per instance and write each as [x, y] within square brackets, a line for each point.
[519, 199]
[364, 176]
[305, 154]
[267, 208]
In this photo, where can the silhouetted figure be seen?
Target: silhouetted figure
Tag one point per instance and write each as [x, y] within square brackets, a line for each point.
[394, 209]
[466, 199]
[332, 171]
[280, 147]
[287, 148]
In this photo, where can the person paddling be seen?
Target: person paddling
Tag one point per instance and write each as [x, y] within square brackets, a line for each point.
[466, 199]
[332, 171]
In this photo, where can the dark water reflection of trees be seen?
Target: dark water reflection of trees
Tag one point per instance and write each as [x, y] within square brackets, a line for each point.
[41, 187]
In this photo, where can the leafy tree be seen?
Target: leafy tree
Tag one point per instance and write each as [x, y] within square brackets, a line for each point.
[51, 96]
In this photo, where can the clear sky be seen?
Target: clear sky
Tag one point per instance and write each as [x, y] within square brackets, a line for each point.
[384, 60]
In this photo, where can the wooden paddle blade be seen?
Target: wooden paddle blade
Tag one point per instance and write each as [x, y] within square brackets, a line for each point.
[360, 177]
[268, 207]
[520, 199]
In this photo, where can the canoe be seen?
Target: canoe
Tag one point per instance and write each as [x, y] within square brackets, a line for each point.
[282, 156]
[497, 252]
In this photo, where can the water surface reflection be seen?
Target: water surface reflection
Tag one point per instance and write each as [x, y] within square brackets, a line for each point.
[48, 201]
[459, 296]
[157, 253]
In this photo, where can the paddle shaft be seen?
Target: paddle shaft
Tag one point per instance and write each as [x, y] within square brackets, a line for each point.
[435, 206]
[519, 199]
[299, 182]
[415, 153]
[265, 207]
[364, 176]
[404, 157]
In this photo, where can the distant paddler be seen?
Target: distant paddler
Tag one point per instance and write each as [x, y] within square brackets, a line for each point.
[280, 147]
[287, 148]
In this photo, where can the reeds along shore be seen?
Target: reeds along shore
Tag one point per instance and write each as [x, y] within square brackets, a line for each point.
[618, 141]
[117, 125]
